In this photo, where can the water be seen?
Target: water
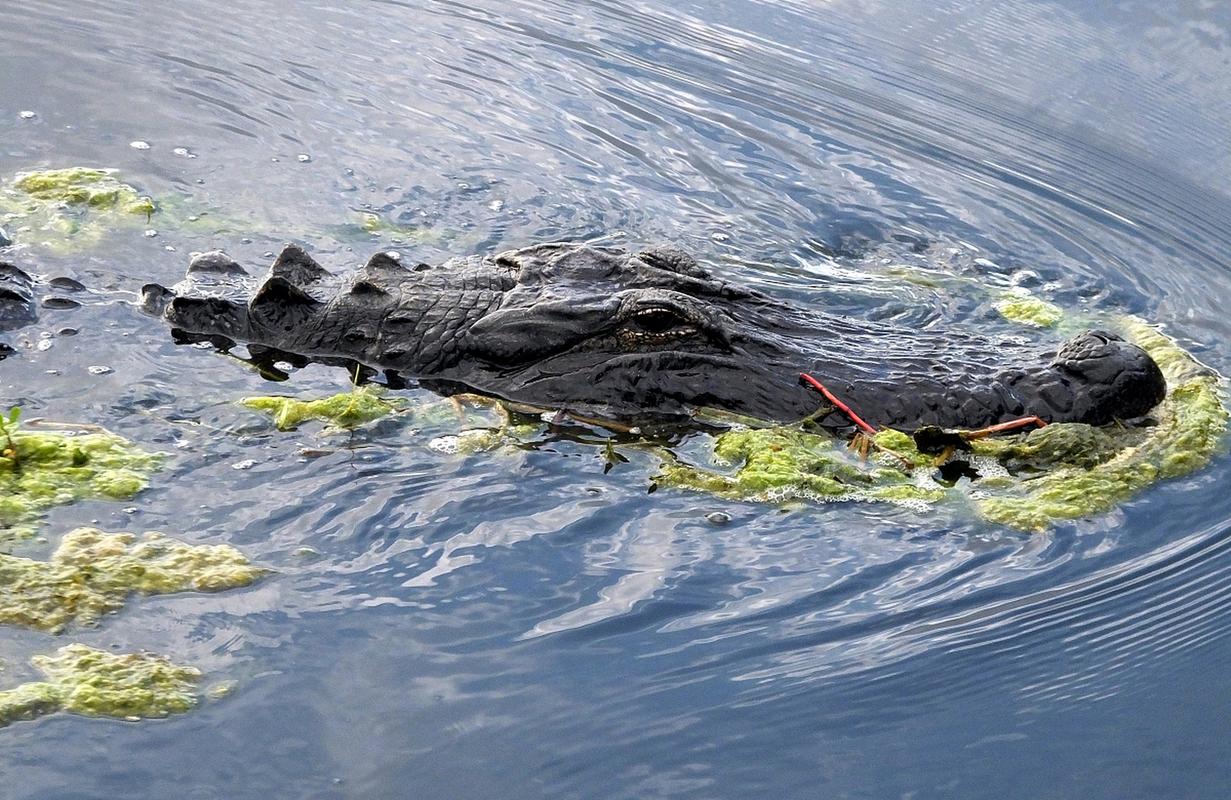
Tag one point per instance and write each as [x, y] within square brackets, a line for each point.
[528, 625]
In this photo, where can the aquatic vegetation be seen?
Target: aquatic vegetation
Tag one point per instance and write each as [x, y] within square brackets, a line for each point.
[91, 573]
[83, 680]
[345, 411]
[1029, 310]
[41, 469]
[1191, 426]
[97, 188]
[783, 462]
[1028, 481]
[379, 225]
[469, 442]
[465, 424]
[69, 209]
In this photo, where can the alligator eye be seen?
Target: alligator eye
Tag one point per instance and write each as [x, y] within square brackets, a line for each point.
[656, 321]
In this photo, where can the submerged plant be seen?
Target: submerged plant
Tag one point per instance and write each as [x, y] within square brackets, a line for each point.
[68, 209]
[83, 680]
[1029, 310]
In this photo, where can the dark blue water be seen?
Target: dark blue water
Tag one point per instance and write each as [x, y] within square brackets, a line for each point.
[527, 625]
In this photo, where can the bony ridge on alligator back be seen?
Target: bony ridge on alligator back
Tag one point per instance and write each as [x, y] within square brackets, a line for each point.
[649, 335]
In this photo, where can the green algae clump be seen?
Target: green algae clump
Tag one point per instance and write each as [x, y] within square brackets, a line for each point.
[1029, 310]
[83, 186]
[45, 469]
[69, 209]
[92, 572]
[1191, 424]
[346, 411]
[95, 683]
[783, 462]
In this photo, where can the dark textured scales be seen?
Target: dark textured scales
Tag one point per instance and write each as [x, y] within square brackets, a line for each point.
[649, 335]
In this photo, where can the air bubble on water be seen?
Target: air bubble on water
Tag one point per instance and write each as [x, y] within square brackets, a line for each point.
[139, 145]
[989, 467]
[99, 369]
[448, 445]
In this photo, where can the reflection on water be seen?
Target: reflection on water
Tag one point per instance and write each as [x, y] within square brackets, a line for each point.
[526, 623]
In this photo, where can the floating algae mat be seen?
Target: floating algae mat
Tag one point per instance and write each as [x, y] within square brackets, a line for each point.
[1063, 471]
[67, 210]
[42, 469]
[91, 573]
[465, 424]
[345, 411]
[82, 680]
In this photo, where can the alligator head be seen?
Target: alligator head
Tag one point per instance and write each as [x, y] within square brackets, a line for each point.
[649, 335]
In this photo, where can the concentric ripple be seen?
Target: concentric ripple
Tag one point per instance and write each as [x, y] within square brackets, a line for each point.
[534, 621]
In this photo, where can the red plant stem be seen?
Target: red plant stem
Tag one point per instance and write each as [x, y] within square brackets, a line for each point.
[1011, 425]
[843, 407]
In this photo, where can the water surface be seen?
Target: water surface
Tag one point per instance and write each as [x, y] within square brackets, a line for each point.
[530, 625]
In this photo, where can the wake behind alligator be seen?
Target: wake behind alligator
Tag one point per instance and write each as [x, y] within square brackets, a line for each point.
[644, 336]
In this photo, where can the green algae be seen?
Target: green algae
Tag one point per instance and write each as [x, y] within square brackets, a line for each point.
[95, 683]
[783, 462]
[66, 210]
[1191, 425]
[77, 186]
[1029, 310]
[345, 411]
[469, 441]
[1062, 471]
[378, 225]
[45, 469]
[462, 425]
[91, 573]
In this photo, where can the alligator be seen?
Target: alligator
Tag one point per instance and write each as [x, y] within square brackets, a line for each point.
[643, 336]
[16, 301]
